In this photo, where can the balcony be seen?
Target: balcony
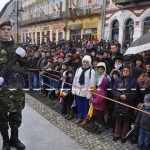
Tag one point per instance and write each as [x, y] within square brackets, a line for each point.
[86, 11]
[43, 19]
[128, 2]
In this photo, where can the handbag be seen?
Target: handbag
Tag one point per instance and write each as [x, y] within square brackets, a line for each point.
[122, 112]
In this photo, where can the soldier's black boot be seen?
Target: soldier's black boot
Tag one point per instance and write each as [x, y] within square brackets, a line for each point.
[6, 145]
[14, 141]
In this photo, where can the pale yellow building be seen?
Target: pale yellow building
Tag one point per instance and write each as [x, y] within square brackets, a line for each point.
[61, 19]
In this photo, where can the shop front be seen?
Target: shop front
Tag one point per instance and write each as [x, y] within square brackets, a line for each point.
[75, 31]
[58, 31]
[90, 30]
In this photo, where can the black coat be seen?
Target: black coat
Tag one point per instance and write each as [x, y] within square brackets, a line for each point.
[124, 85]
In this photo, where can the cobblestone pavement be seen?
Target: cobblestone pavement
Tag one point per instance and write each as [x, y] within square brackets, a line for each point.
[85, 139]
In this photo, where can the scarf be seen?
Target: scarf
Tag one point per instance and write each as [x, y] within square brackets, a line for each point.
[82, 76]
[118, 66]
[100, 80]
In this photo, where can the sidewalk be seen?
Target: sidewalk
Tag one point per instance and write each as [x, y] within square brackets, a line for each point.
[37, 133]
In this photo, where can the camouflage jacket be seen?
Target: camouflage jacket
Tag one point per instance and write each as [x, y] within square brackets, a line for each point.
[10, 101]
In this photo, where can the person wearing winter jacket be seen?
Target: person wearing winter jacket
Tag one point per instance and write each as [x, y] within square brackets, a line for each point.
[84, 80]
[68, 98]
[143, 122]
[97, 101]
[124, 91]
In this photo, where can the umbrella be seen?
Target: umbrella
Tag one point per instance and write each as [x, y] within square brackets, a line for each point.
[140, 45]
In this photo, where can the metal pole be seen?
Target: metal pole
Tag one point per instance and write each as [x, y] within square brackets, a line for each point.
[103, 15]
[17, 23]
[66, 21]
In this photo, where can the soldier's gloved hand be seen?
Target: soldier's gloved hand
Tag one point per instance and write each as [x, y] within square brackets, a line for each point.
[21, 52]
[1, 80]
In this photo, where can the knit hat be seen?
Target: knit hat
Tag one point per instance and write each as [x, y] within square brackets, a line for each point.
[50, 60]
[60, 56]
[5, 23]
[76, 56]
[115, 71]
[147, 98]
[87, 58]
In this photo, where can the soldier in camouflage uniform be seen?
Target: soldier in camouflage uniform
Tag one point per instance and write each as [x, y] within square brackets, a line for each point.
[11, 102]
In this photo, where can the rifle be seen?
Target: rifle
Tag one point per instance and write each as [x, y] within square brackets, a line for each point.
[10, 64]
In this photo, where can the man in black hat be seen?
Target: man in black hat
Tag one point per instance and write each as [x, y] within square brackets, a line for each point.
[129, 61]
[11, 103]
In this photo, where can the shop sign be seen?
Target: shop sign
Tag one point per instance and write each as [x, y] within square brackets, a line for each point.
[90, 25]
[88, 31]
[24, 30]
[45, 28]
[75, 26]
[58, 27]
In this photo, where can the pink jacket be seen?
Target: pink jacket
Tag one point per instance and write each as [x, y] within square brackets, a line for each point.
[99, 102]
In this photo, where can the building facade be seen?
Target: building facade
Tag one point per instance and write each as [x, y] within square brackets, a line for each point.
[127, 20]
[84, 19]
[53, 20]
[43, 21]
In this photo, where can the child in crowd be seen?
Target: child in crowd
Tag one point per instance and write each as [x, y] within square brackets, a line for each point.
[143, 122]
[99, 102]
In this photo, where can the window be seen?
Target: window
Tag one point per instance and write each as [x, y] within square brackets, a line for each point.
[75, 34]
[60, 36]
[48, 36]
[115, 30]
[147, 25]
[38, 38]
[33, 37]
[26, 37]
[54, 36]
[129, 31]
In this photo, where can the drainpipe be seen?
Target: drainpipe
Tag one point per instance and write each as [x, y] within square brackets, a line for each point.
[103, 15]
[66, 21]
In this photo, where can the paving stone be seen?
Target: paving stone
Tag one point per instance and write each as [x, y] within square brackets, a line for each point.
[85, 139]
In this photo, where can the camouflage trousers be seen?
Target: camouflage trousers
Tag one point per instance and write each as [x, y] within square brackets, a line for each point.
[12, 101]
[12, 119]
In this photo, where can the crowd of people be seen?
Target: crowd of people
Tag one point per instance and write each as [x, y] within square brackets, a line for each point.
[83, 73]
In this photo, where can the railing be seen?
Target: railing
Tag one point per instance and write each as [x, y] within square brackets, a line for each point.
[84, 11]
[43, 19]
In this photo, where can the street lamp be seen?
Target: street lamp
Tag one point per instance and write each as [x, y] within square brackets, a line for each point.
[17, 14]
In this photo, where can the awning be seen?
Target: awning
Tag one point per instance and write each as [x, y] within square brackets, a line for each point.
[75, 26]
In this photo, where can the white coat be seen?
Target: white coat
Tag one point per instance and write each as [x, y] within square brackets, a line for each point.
[80, 90]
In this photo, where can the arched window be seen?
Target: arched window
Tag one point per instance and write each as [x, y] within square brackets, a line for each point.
[147, 25]
[129, 30]
[115, 30]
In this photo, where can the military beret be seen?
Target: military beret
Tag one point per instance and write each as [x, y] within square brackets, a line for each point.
[5, 23]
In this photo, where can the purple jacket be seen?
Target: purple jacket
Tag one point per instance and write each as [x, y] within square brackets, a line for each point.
[99, 102]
